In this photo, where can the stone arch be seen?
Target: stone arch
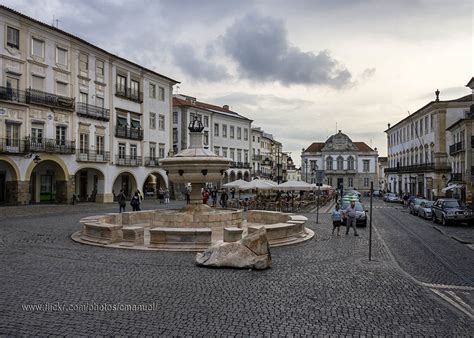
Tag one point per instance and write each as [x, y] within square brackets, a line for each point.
[247, 176]
[49, 181]
[225, 178]
[9, 182]
[232, 176]
[153, 182]
[45, 158]
[124, 180]
[239, 175]
[89, 184]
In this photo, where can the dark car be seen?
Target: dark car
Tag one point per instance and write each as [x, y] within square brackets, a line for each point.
[361, 218]
[415, 205]
[449, 210]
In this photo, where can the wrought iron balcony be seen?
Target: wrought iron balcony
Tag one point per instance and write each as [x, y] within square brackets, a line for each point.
[12, 146]
[94, 112]
[240, 165]
[152, 162]
[419, 168]
[14, 95]
[47, 145]
[128, 93]
[130, 133]
[126, 160]
[38, 97]
[86, 155]
[456, 147]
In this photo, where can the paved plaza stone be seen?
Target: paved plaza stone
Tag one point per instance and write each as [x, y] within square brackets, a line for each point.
[321, 287]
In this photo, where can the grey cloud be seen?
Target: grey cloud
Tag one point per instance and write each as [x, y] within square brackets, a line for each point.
[186, 58]
[260, 47]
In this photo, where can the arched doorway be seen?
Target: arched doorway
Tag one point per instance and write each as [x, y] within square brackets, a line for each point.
[152, 185]
[125, 181]
[232, 176]
[239, 175]
[225, 179]
[8, 183]
[89, 184]
[49, 182]
[246, 176]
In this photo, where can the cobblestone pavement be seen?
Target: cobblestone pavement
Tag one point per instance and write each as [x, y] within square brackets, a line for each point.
[324, 286]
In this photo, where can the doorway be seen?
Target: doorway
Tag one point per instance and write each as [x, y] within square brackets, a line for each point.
[47, 189]
[3, 179]
[340, 182]
[83, 186]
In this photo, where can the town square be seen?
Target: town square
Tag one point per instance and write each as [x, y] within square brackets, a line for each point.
[215, 168]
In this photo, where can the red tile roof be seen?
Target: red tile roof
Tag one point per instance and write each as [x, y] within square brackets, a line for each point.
[177, 102]
[362, 146]
[318, 146]
[315, 147]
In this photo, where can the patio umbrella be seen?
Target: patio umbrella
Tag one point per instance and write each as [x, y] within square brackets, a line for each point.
[235, 184]
[294, 185]
[258, 184]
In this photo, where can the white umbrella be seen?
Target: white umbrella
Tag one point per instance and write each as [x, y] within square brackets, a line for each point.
[294, 185]
[235, 184]
[258, 184]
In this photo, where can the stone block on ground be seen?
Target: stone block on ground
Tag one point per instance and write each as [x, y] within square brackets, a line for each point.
[232, 234]
[251, 252]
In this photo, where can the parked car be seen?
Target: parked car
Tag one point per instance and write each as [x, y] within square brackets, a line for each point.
[425, 209]
[448, 210]
[391, 197]
[361, 218]
[415, 205]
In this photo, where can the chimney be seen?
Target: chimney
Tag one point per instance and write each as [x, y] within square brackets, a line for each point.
[226, 107]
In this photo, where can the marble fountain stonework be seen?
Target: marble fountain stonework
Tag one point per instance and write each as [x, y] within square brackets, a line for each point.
[197, 226]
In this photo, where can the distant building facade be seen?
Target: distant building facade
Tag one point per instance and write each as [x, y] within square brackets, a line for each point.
[345, 163]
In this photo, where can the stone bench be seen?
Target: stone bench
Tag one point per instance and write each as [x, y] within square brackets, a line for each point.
[161, 236]
[280, 230]
[133, 235]
[267, 217]
[232, 234]
[103, 233]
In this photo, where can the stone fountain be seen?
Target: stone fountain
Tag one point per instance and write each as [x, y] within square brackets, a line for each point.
[196, 165]
[196, 226]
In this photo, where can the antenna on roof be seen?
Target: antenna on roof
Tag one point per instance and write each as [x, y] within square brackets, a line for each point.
[55, 22]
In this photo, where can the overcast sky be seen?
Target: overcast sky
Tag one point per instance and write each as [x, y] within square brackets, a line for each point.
[297, 68]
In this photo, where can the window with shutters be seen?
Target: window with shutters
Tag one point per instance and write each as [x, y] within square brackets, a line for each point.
[37, 47]
[83, 62]
[13, 37]
[61, 56]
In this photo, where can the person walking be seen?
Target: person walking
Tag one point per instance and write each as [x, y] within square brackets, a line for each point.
[336, 216]
[167, 196]
[224, 198]
[205, 196]
[135, 202]
[214, 196]
[121, 201]
[351, 214]
[188, 195]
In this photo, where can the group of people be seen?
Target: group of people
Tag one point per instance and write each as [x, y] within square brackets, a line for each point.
[349, 215]
[213, 195]
[137, 198]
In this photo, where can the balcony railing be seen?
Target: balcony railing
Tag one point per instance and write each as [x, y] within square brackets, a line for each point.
[47, 145]
[256, 157]
[38, 97]
[86, 155]
[339, 171]
[126, 160]
[94, 112]
[129, 94]
[456, 177]
[152, 162]
[419, 168]
[130, 133]
[240, 165]
[456, 147]
[12, 146]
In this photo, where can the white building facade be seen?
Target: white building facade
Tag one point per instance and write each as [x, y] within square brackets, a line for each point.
[226, 132]
[418, 159]
[345, 164]
[76, 120]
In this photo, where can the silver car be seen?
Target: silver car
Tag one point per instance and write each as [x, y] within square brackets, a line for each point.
[424, 210]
